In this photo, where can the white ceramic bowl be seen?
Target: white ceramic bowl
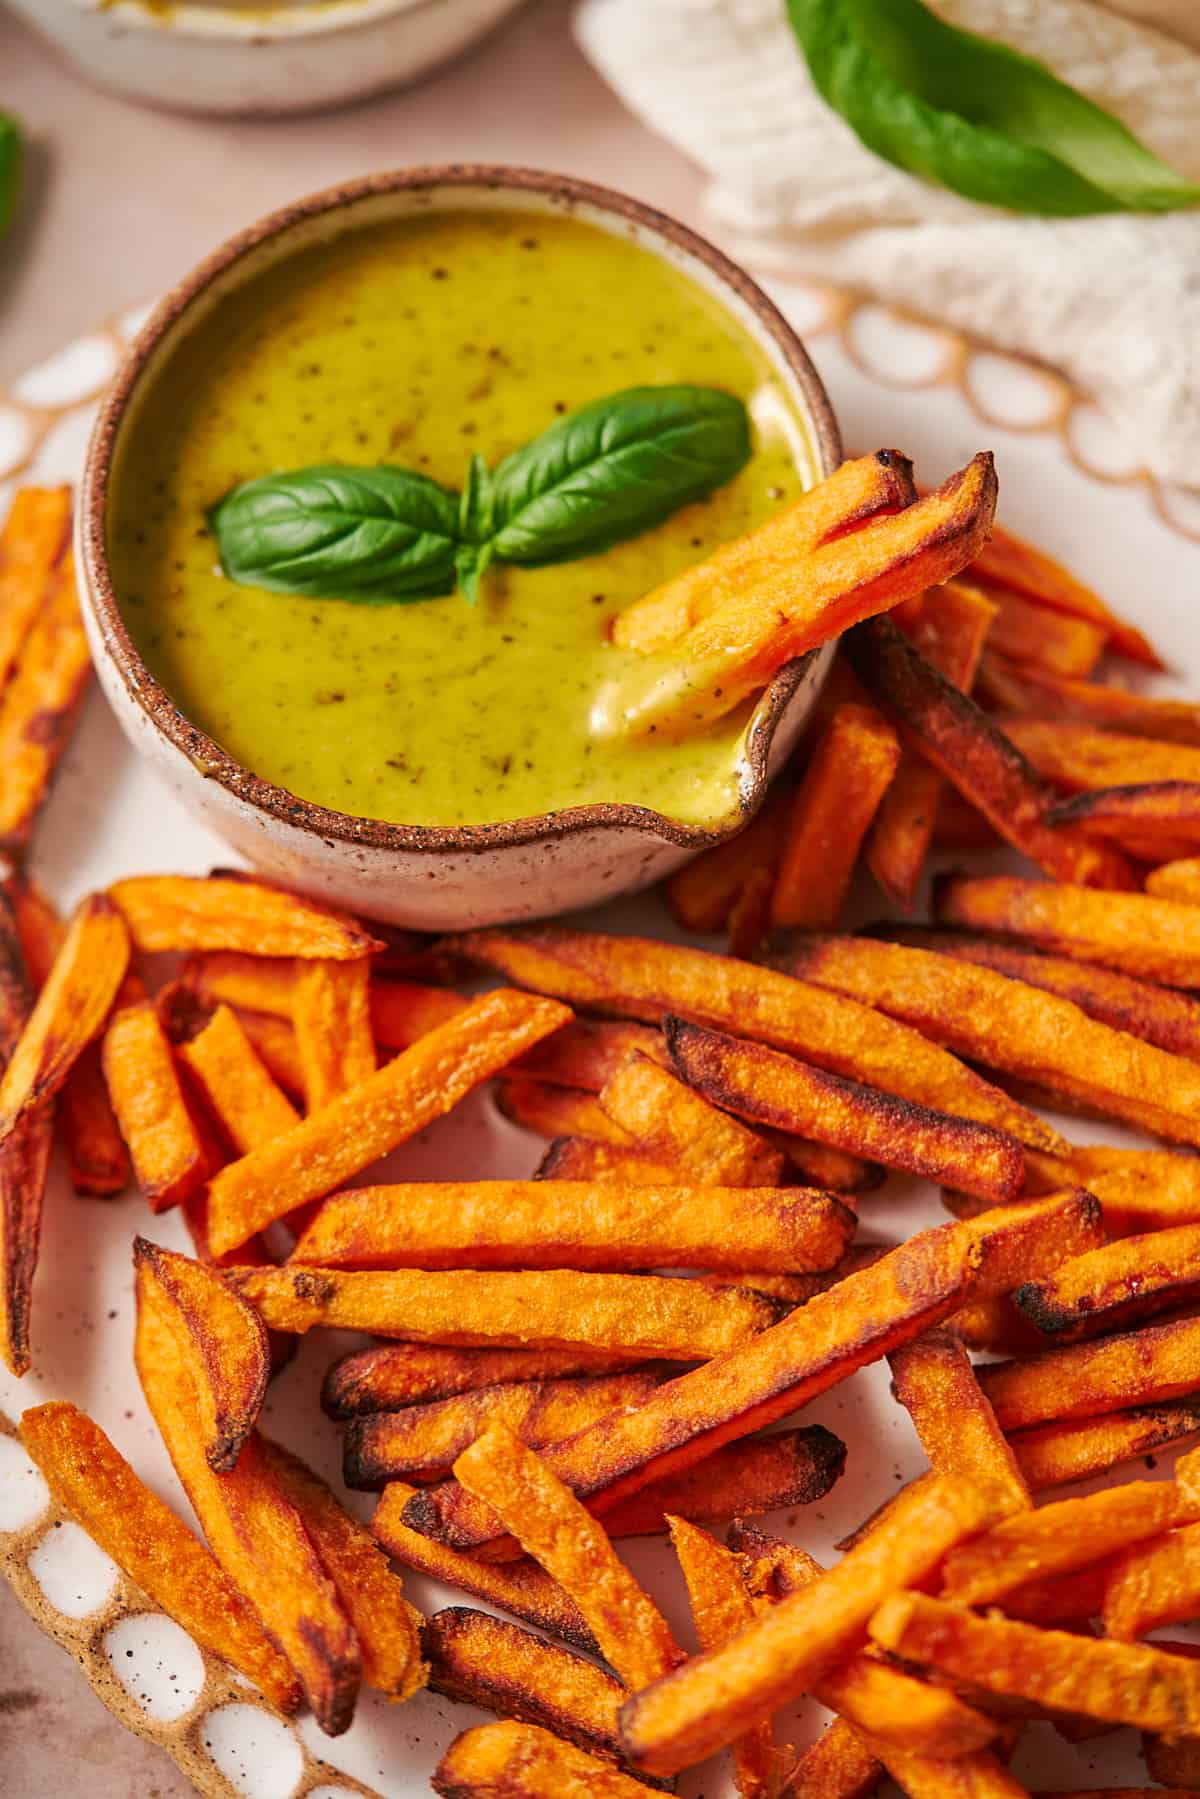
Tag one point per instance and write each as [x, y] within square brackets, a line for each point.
[424, 876]
[259, 56]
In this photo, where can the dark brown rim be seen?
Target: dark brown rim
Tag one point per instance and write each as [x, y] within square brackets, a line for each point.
[287, 807]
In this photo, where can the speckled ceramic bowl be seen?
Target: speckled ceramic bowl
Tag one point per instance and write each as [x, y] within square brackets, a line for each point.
[446, 877]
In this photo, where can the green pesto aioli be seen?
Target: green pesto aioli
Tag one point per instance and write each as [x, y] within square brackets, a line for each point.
[419, 342]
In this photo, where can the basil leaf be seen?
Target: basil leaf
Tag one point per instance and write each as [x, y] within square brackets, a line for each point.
[614, 468]
[368, 534]
[974, 115]
[11, 159]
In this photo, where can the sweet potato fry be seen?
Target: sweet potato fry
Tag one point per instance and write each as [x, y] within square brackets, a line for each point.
[556, 1111]
[1054, 1455]
[94, 1482]
[228, 1345]
[382, 1112]
[421, 1442]
[640, 978]
[587, 1052]
[745, 1479]
[1012, 563]
[1139, 933]
[23, 1161]
[963, 744]
[950, 628]
[721, 1607]
[1061, 1537]
[168, 1153]
[703, 894]
[69, 1011]
[902, 1711]
[1139, 1189]
[34, 543]
[769, 1088]
[993, 1323]
[403, 1011]
[241, 979]
[575, 1224]
[844, 781]
[228, 912]
[1002, 1022]
[1033, 1237]
[481, 1660]
[551, 1525]
[248, 1105]
[1040, 694]
[40, 705]
[520, 1588]
[1154, 1583]
[709, 1701]
[254, 1531]
[392, 1375]
[521, 1761]
[805, 601]
[1112, 1285]
[1064, 1601]
[1157, 821]
[1174, 1762]
[837, 1766]
[959, 826]
[274, 1043]
[370, 1594]
[1122, 1683]
[933, 1379]
[586, 1159]
[814, 1348]
[332, 1021]
[978, 1776]
[673, 1123]
[1143, 1367]
[1177, 882]
[854, 493]
[1026, 633]
[1077, 757]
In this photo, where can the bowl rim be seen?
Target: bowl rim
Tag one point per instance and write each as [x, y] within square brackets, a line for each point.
[278, 803]
[265, 23]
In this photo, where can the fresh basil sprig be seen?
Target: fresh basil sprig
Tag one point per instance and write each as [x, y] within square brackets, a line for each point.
[975, 115]
[604, 473]
[11, 159]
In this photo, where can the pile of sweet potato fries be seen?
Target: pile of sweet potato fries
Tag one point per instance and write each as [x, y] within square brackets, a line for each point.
[542, 1382]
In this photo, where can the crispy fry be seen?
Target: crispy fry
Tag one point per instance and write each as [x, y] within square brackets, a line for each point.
[848, 772]
[556, 1111]
[1175, 1762]
[520, 1761]
[709, 1701]
[69, 1011]
[1027, 633]
[23, 1159]
[229, 912]
[371, 1595]
[818, 1345]
[721, 1607]
[228, 1346]
[1013, 563]
[924, 1777]
[1177, 882]
[933, 1379]
[34, 542]
[703, 894]
[403, 1011]
[1077, 757]
[382, 1112]
[551, 1525]
[587, 1052]
[94, 1482]
[803, 602]
[40, 705]
[837, 1766]
[520, 1588]
[575, 1224]
[1138, 1189]
[1122, 1683]
[1040, 694]
[1142, 1367]
[1054, 1455]
[1061, 1537]
[1062, 1601]
[420, 1443]
[769, 1088]
[854, 493]
[1002, 1022]
[959, 826]
[274, 1043]
[902, 1711]
[746, 1478]
[393, 1375]
[586, 1159]
[1157, 938]
[638, 1315]
[950, 628]
[993, 1323]
[1158, 821]
[1034, 1236]
[169, 1158]
[254, 1531]
[480, 1660]
[975, 756]
[1154, 1583]
[332, 1021]
[1110, 1286]
[243, 1098]
[243, 980]
[674, 1124]
[640, 978]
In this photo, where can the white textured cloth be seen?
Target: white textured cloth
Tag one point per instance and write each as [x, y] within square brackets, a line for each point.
[1113, 301]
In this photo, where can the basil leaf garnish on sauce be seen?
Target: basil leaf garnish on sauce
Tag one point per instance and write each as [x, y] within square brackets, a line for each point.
[11, 158]
[614, 468]
[372, 534]
[975, 115]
